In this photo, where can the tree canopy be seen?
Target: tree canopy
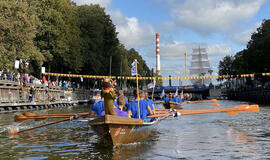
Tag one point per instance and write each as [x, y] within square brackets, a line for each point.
[254, 59]
[64, 38]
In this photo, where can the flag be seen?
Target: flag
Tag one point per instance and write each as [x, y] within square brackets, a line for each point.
[162, 94]
[133, 68]
[176, 92]
[182, 94]
[152, 85]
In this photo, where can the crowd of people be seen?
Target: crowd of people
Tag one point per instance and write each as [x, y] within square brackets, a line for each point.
[26, 78]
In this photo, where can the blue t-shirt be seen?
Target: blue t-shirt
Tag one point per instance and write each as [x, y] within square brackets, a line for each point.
[133, 107]
[115, 103]
[98, 107]
[166, 100]
[174, 99]
[179, 100]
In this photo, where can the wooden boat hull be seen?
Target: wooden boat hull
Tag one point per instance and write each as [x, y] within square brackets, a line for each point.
[115, 130]
[172, 106]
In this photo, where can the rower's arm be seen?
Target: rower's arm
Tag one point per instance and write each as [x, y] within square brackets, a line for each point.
[129, 114]
[154, 108]
[149, 110]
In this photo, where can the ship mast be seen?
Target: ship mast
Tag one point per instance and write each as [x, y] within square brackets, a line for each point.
[185, 56]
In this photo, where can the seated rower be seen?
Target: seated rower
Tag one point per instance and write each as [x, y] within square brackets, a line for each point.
[150, 102]
[97, 108]
[133, 111]
[166, 99]
[174, 98]
[121, 103]
[179, 99]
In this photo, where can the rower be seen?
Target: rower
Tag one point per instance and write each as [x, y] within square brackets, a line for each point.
[166, 99]
[179, 99]
[121, 103]
[144, 107]
[150, 102]
[98, 108]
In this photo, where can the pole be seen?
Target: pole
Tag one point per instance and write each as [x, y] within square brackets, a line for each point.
[153, 91]
[110, 65]
[185, 55]
[137, 82]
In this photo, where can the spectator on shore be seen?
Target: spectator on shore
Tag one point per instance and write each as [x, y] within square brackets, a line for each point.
[32, 94]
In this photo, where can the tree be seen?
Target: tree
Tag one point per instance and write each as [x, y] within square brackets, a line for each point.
[58, 35]
[18, 24]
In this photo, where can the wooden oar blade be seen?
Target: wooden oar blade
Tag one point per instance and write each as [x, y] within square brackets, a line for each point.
[214, 100]
[248, 108]
[232, 113]
[217, 105]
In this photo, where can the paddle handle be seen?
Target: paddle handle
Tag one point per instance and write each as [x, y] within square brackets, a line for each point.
[29, 129]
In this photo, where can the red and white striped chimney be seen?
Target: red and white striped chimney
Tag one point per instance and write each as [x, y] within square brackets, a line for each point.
[157, 55]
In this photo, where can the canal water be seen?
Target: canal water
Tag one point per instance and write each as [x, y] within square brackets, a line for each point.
[208, 136]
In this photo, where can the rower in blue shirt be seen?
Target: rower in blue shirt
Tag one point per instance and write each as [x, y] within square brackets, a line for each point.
[97, 108]
[150, 102]
[144, 107]
[179, 99]
[166, 99]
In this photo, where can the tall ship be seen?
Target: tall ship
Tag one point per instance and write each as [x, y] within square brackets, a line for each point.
[200, 66]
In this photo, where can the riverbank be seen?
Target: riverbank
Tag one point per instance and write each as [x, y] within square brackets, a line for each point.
[16, 96]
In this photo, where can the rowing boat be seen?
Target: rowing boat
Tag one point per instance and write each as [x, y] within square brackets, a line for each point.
[115, 130]
[172, 105]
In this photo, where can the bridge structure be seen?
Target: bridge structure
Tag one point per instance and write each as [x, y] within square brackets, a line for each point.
[197, 91]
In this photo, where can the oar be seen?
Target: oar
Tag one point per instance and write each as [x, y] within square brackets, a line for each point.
[231, 111]
[16, 131]
[28, 115]
[217, 105]
[211, 100]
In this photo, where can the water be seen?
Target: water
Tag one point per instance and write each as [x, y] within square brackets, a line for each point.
[208, 136]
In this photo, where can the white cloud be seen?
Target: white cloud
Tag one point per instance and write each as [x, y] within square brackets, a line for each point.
[213, 15]
[243, 37]
[102, 3]
[132, 33]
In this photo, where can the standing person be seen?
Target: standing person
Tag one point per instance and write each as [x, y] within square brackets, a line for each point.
[108, 92]
[32, 94]
[133, 110]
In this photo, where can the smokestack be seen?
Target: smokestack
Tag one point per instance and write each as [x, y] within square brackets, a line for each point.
[157, 55]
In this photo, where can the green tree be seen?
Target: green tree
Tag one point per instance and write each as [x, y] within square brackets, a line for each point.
[18, 23]
[58, 34]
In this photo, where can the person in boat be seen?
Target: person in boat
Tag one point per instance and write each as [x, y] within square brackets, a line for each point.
[179, 99]
[108, 92]
[121, 94]
[121, 103]
[133, 111]
[98, 108]
[174, 99]
[150, 102]
[166, 99]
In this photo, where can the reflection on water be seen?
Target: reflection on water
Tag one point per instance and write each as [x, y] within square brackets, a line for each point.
[210, 136]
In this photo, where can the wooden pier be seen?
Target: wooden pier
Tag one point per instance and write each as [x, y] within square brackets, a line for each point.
[16, 96]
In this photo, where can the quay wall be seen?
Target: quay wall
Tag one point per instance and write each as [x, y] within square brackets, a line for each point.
[256, 95]
[15, 96]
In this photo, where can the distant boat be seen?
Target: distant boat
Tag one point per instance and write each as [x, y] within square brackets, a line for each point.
[200, 66]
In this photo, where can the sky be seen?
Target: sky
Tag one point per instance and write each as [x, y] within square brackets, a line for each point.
[223, 27]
